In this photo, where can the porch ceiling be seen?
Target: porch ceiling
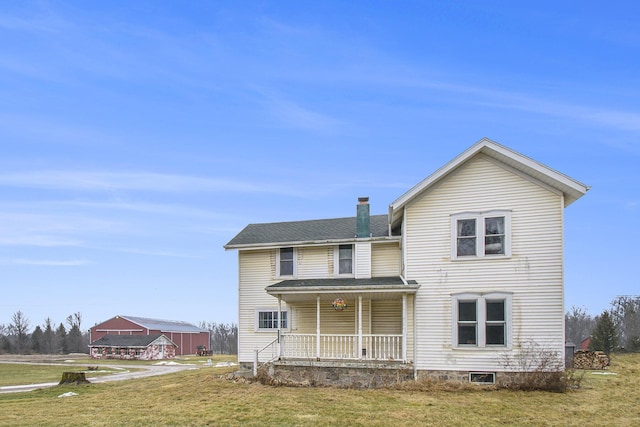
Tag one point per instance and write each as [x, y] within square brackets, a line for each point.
[376, 288]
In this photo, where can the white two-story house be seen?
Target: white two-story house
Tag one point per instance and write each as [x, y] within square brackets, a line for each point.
[466, 266]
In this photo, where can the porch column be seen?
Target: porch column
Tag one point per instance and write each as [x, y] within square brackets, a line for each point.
[318, 327]
[404, 327]
[279, 351]
[359, 326]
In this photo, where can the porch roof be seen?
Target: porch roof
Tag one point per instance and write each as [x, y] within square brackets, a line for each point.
[377, 287]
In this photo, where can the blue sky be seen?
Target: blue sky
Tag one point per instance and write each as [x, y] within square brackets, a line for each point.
[139, 137]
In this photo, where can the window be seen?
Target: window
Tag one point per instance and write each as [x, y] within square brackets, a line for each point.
[482, 377]
[286, 262]
[267, 320]
[480, 234]
[481, 320]
[467, 323]
[496, 325]
[345, 259]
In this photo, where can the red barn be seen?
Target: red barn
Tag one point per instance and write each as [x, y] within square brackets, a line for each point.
[187, 337]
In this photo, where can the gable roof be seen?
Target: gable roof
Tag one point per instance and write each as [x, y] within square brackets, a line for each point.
[312, 231]
[164, 325]
[570, 188]
[128, 340]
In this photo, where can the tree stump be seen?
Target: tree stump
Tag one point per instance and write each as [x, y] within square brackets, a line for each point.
[73, 378]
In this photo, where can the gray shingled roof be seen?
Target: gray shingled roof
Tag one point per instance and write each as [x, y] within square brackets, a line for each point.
[125, 340]
[164, 325]
[341, 282]
[306, 231]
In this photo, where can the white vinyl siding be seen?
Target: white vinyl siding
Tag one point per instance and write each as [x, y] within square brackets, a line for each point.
[533, 273]
[312, 262]
[363, 260]
[385, 259]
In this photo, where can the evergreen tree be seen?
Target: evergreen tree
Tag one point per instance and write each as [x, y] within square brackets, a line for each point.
[74, 337]
[37, 339]
[61, 340]
[605, 336]
[48, 338]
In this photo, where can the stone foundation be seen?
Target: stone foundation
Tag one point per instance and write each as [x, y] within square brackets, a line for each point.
[377, 374]
[338, 374]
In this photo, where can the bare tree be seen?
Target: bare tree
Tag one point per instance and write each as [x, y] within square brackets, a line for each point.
[578, 324]
[625, 313]
[224, 337]
[19, 329]
[75, 342]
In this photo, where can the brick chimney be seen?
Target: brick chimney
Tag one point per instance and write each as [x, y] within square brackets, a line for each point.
[363, 220]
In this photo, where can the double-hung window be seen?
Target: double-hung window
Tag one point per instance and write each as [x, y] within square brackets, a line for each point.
[481, 234]
[267, 320]
[481, 320]
[344, 259]
[286, 262]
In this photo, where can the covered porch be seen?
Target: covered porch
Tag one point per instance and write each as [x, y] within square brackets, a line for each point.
[346, 319]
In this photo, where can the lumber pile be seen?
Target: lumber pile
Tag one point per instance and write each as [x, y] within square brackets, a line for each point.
[584, 359]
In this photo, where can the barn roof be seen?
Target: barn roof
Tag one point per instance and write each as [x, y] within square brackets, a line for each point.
[164, 325]
[127, 340]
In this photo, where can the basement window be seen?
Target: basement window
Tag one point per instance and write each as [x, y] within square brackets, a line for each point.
[482, 377]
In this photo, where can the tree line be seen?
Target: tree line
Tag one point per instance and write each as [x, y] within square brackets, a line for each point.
[223, 337]
[17, 337]
[615, 329]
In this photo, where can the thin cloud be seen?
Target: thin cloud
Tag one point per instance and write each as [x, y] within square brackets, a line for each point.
[46, 263]
[38, 241]
[136, 181]
[159, 253]
[295, 115]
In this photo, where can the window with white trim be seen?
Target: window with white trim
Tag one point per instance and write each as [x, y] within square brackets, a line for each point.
[481, 234]
[267, 320]
[286, 262]
[344, 259]
[481, 320]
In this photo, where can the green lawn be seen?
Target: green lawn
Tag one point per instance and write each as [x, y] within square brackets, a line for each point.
[200, 397]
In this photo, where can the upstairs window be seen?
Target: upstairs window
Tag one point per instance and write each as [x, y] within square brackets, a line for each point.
[480, 234]
[345, 259]
[286, 262]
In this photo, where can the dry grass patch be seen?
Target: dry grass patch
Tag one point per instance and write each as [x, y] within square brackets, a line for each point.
[201, 398]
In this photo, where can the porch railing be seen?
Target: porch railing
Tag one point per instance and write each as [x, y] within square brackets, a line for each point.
[336, 346]
[270, 350]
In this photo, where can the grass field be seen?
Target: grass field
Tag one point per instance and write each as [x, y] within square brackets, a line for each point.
[201, 398]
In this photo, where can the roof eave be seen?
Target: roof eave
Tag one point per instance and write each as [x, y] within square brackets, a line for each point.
[410, 288]
[571, 188]
[271, 245]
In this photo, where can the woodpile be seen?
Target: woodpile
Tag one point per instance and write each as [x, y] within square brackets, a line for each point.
[584, 359]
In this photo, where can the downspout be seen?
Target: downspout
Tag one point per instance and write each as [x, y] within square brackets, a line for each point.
[404, 327]
[279, 353]
[360, 326]
[318, 328]
[415, 341]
